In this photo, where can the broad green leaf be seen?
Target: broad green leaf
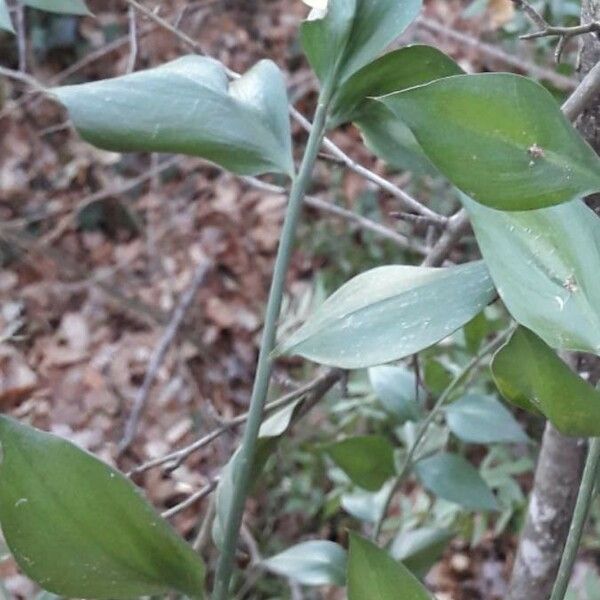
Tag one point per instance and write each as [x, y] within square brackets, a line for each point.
[366, 506]
[419, 549]
[311, 563]
[396, 389]
[393, 72]
[367, 459]
[481, 419]
[391, 312]
[374, 575]
[5, 21]
[452, 478]
[270, 432]
[500, 138]
[69, 7]
[81, 529]
[188, 106]
[529, 374]
[545, 266]
[349, 34]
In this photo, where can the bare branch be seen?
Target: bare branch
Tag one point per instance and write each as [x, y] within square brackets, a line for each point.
[196, 497]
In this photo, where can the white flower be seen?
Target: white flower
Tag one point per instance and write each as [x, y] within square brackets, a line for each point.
[318, 4]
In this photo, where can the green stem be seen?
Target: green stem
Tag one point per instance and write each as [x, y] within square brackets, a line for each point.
[582, 506]
[444, 396]
[263, 369]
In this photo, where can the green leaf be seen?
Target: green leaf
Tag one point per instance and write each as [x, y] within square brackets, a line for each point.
[368, 460]
[5, 21]
[366, 506]
[311, 563]
[374, 575]
[391, 312]
[419, 549]
[69, 7]
[393, 72]
[395, 388]
[188, 106]
[452, 478]
[482, 419]
[81, 529]
[351, 33]
[545, 266]
[500, 138]
[529, 374]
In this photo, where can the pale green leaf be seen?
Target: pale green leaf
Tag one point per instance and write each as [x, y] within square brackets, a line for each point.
[500, 138]
[391, 312]
[81, 529]
[316, 562]
[530, 374]
[5, 21]
[396, 389]
[69, 7]
[188, 106]
[419, 549]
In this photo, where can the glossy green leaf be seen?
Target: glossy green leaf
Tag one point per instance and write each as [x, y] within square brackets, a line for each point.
[5, 21]
[81, 529]
[311, 563]
[68, 7]
[452, 478]
[545, 266]
[391, 312]
[189, 106]
[396, 389]
[393, 72]
[481, 419]
[351, 33]
[374, 575]
[529, 374]
[368, 460]
[500, 138]
[419, 549]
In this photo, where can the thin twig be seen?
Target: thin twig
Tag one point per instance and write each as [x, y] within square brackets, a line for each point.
[191, 500]
[457, 226]
[23, 78]
[535, 17]
[133, 40]
[160, 353]
[205, 528]
[21, 35]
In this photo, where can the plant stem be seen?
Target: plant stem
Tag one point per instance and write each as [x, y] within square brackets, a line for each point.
[584, 498]
[263, 369]
[444, 396]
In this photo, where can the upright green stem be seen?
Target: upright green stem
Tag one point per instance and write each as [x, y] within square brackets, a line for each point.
[263, 369]
[582, 506]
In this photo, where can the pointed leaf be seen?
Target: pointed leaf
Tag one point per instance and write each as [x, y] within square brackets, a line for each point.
[317, 562]
[529, 374]
[188, 106]
[5, 21]
[351, 33]
[419, 549]
[452, 478]
[396, 388]
[391, 312]
[501, 138]
[545, 266]
[374, 575]
[81, 529]
[367, 459]
[482, 419]
[69, 7]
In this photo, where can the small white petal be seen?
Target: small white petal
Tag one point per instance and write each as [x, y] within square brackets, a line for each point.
[318, 4]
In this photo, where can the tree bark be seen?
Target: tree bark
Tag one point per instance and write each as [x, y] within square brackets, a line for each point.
[561, 459]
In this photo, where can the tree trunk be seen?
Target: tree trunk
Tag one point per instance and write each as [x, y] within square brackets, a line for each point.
[561, 459]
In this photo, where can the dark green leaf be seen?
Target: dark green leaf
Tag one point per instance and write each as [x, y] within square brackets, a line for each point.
[81, 529]
[482, 419]
[68, 7]
[311, 563]
[188, 106]
[452, 478]
[529, 374]
[545, 266]
[419, 549]
[391, 312]
[393, 72]
[368, 460]
[396, 389]
[501, 138]
[5, 21]
[374, 575]
[351, 33]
